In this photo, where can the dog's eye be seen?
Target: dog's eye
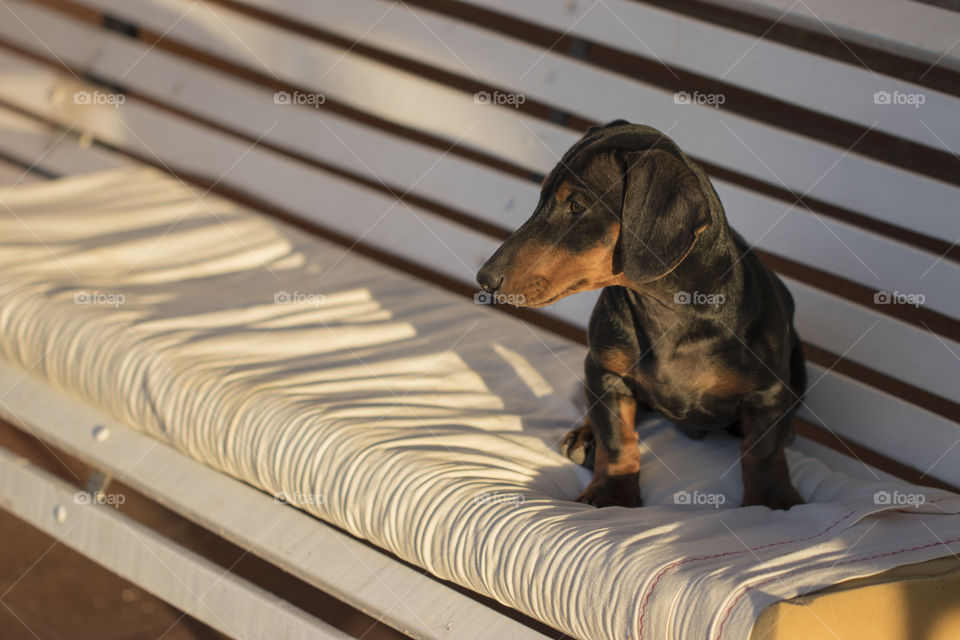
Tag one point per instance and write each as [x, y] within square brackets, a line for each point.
[576, 208]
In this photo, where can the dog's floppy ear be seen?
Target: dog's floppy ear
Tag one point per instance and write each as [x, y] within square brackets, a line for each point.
[664, 211]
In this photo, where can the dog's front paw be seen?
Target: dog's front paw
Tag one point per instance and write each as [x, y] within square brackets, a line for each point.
[616, 491]
[579, 446]
[773, 497]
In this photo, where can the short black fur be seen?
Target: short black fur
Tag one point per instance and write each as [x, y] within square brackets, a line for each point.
[690, 323]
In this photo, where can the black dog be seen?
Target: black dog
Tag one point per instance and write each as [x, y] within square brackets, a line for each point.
[690, 323]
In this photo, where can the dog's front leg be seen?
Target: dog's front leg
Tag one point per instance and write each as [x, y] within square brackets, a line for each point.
[766, 422]
[616, 471]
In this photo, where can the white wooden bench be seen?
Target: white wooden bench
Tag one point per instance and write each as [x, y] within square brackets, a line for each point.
[399, 119]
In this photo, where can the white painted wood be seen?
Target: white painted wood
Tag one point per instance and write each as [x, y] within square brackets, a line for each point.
[890, 346]
[377, 88]
[808, 80]
[870, 259]
[840, 461]
[13, 174]
[405, 598]
[773, 155]
[884, 423]
[867, 258]
[187, 581]
[911, 29]
[27, 140]
[249, 108]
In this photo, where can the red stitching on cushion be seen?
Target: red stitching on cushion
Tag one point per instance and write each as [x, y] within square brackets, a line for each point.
[677, 563]
[662, 572]
[873, 557]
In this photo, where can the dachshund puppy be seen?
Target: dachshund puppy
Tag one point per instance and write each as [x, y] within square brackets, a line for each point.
[689, 323]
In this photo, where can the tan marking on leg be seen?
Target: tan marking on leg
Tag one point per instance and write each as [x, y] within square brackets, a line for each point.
[616, 361]
[627, 459]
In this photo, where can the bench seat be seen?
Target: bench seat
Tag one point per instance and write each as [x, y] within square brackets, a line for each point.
[410, 417]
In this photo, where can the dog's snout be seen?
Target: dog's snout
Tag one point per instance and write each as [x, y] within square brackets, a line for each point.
[489, 280]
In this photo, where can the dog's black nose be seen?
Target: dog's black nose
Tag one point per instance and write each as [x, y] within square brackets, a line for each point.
[488, 280]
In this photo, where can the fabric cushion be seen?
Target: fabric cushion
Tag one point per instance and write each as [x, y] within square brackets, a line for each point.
[411, 417]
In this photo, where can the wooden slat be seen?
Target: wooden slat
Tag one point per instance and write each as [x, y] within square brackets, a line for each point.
[379, 89]
[25, 140]
[870, 259]
[185, 580]
[911, 29]
[805, 79]
[885, 424]
[14, 174]
[754, 149]
[502, 200]
[885, 344]
[404, 598]
[839, 461]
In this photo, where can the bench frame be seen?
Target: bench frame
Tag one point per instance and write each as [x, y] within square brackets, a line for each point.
[366, 155]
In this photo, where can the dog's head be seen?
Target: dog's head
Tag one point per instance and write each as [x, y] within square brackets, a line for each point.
[623, 207]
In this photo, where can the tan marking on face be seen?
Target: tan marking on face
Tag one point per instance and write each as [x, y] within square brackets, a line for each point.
[564, 191]
[543, 274]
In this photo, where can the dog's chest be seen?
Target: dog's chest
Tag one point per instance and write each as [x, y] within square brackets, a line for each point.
[686, 373]
[692, 385]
